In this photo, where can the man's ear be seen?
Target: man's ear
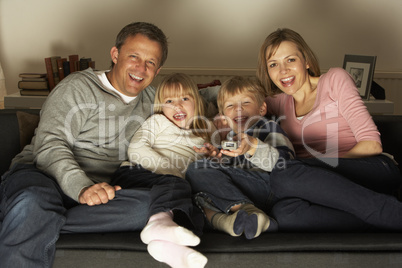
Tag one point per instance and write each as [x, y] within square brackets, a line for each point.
[114, 54]
[157, 72]
[263, 108]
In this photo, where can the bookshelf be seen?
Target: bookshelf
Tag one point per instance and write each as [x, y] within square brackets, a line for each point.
[16, 101]
[379, 106]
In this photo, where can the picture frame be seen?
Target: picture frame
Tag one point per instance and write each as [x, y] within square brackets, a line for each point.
[361, 69]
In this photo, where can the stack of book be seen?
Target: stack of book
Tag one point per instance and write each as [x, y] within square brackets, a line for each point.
[33, 84]
[57, 67]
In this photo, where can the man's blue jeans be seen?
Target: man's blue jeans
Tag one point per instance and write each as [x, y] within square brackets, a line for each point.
[317, 198]
[226, 186]
[34, 211]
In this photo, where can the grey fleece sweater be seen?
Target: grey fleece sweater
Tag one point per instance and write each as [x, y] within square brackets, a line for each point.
[84, 132]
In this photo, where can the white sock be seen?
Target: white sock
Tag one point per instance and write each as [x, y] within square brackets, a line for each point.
[176, 256]
[162, 227]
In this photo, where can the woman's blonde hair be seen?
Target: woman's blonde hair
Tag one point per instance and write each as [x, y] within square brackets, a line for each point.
[273, 41]
[240, 85]
[177, 84]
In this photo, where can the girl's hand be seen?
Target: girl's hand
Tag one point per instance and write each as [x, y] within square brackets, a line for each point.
[247, 144]
[208, 150]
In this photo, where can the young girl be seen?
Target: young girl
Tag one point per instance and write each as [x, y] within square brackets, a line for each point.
[165, 142]
[159, 154]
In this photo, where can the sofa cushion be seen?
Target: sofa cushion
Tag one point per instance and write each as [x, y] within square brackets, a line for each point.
[27, 123]
[9, 139]
[390, 127]
[10, 142]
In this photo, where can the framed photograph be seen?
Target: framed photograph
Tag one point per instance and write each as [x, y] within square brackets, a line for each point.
[362, 70]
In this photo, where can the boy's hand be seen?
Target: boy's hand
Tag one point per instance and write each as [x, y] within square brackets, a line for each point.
[222, 125]
[247, 144]
[97, 194]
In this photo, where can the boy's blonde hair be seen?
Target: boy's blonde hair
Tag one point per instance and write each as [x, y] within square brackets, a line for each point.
[240, 85]
[177, 84]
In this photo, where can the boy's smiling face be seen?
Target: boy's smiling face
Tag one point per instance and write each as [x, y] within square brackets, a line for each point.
[242, 111]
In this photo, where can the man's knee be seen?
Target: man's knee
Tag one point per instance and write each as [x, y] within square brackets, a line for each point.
[25, 179]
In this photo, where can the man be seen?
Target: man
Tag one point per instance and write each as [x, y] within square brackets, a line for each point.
[60, 182]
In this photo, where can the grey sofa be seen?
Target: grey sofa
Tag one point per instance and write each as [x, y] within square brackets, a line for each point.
[378, 249]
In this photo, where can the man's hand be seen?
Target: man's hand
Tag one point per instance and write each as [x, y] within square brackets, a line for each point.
[97, 194]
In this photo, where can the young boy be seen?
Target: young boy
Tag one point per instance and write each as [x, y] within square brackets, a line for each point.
[233, 189]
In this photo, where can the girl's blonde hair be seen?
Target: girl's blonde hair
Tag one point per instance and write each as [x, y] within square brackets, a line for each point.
[240, 85]
[273, 41]
[177, 84]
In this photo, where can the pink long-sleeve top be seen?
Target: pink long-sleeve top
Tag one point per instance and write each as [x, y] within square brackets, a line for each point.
[338, 121]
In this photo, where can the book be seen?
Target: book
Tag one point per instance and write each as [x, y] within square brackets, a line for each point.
[84, 63]
[34, 79]
[33, 85]
[43, 92]
[49, 71]
[73, 59]
[55, 69]
[60, 67]
[92, 64]
[66, 68]
[32, 75]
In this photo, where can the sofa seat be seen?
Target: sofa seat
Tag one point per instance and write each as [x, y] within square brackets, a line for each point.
[269, 250]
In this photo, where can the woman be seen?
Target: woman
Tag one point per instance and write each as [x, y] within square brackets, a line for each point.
[337, 144]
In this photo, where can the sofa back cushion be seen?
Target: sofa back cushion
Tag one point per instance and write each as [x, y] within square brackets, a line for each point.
[15, 133]
[390, 127]
[17, 129]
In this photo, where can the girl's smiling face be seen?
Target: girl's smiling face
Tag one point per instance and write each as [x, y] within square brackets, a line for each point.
[180, 109]
[287, 68]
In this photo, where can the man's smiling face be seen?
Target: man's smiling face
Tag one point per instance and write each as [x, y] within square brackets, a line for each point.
[135, 65]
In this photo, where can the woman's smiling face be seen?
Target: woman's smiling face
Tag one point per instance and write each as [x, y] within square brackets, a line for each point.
[287, 68]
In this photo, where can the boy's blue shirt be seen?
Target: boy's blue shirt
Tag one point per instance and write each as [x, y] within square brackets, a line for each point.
[261, 130]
